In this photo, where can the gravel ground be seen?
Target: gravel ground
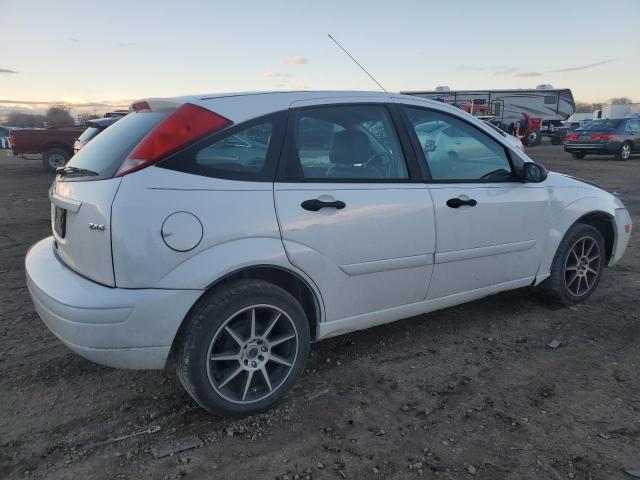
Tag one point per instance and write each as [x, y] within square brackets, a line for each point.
[470, 391]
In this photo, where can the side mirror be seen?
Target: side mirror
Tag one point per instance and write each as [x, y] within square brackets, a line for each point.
[533, 172]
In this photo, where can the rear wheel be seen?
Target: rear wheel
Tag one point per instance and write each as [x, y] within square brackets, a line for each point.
[625, 151]
[577, 266]
[54, 158]
[244, 346]
[578, 155]
[534, 138]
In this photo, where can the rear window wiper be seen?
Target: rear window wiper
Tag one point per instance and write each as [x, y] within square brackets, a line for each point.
[68, 170]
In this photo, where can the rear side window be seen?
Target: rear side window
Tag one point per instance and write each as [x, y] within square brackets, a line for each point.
[246, 151]
[346, 142]
[105, 153]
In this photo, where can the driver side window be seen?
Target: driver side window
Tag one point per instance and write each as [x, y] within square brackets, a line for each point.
[347, 142]
[456, 151]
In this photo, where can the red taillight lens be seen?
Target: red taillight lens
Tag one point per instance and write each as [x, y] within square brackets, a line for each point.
[185, 125]
[571, 136]
[601, 136]
[12, 140]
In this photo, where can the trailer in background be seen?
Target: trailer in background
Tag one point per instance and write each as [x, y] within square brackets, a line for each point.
[552, 106]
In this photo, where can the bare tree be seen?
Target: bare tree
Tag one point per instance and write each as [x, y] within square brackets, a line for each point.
[59, 116]
[620, 101]
[25, 120]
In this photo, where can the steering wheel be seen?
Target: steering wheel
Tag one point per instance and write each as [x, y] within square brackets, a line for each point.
[381, 163]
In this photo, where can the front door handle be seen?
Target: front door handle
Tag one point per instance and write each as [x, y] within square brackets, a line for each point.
[314, 205]
[459, 202]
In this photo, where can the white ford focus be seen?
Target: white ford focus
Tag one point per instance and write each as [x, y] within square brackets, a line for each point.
[228, 231]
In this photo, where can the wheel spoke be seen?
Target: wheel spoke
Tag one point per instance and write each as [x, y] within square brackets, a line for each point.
[281, 339]
[253, 323]
[575, 254]
[265, 375]
[272, 324]
[278, 359]
[586, 281]
[230, 377]
[591, 245]
[573, 279]
[578, 285]
[584, 241]
[572, 268]
[589, 269]
[247, 385]
[225, 356]
[593, 258]
[234, 335]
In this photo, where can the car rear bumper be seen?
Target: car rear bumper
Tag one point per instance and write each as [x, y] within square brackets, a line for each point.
[117, 327]
[608, 148]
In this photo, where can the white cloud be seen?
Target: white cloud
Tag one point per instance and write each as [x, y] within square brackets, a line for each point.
[296, 60]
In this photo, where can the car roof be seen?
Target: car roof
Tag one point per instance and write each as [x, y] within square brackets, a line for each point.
[103, 122]
[241, 106]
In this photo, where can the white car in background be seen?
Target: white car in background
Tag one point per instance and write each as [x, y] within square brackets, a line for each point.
[229, 231]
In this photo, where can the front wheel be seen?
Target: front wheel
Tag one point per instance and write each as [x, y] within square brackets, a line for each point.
[577, 266]
[578, 155]
[243, 347]
[625, 151]
[54, 158]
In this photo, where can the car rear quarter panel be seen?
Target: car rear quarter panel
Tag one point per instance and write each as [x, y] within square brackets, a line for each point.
[238, 220]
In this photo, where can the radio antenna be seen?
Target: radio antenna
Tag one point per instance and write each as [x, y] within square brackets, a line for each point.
[351, 57]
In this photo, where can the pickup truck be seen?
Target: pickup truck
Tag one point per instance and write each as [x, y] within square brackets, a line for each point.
[55, 144]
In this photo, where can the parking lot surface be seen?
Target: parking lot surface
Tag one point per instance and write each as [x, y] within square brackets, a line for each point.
[467, 392]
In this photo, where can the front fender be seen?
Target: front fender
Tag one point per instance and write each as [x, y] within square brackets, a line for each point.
[562, 219]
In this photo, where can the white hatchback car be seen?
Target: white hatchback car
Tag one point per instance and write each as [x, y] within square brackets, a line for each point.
[226, 232]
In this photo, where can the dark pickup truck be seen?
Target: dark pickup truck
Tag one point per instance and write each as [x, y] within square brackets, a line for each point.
[55, 144]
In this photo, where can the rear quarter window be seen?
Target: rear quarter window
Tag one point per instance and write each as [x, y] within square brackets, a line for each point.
[247, 151]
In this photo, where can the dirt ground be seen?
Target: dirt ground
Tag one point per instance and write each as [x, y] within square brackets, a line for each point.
[470, 391]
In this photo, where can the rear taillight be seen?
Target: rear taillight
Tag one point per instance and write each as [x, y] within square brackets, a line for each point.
[571, 136]
[601, 136]
[185, 125]
[12, 140]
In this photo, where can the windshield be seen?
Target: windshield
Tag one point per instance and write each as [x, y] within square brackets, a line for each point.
[88, 134]
[105, 153]
[602, 124]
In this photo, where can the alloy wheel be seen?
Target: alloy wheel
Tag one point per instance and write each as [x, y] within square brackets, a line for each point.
[252, 353]
[625, 152]
[582, 266]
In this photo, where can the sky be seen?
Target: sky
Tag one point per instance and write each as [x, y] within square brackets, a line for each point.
[102, 55]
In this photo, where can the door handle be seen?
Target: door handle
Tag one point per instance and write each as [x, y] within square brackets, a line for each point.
[314, 205]
[458, 202]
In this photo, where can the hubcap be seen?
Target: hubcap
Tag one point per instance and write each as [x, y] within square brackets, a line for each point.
[252, 354]
[56, 160]
[582, 266]
[626, 151]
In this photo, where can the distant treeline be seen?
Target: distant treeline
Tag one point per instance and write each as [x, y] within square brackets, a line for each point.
[56, 116]
[585, 107]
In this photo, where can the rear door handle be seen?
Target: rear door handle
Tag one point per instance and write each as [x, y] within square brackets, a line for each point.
[459, 202]
[314, 204]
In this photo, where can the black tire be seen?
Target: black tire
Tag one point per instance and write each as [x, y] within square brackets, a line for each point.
[534, 138]
[625, 151]
[559, 285]
[54, 158]
[207, 322]
[578, 155]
